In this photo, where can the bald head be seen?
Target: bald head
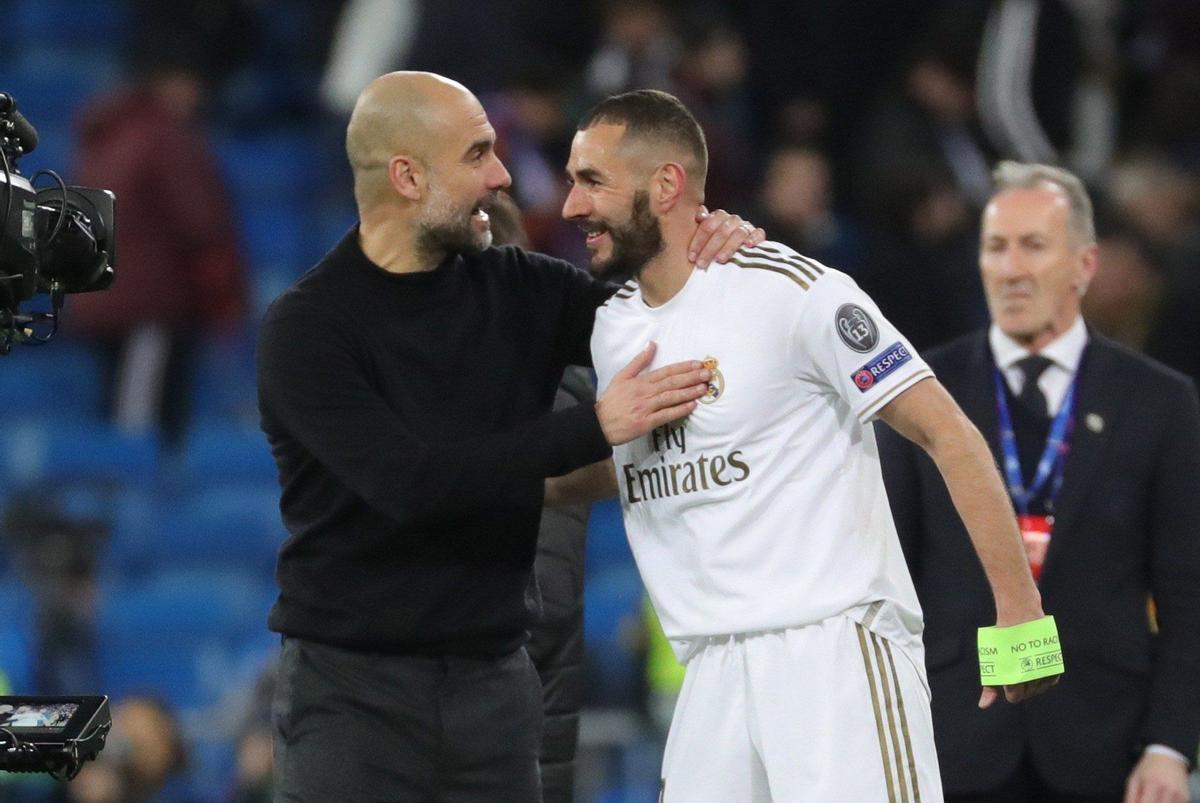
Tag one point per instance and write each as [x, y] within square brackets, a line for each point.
[400, 112]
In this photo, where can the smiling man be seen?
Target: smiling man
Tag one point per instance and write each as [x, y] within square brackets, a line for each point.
[1101, 451]
[405, 385]
[759, 521]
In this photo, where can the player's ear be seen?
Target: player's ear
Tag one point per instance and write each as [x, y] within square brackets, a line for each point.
[668, 185]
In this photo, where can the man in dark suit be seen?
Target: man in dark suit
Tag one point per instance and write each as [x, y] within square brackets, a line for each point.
[1101, 450]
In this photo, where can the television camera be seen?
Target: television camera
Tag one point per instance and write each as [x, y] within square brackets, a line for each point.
[55, 240]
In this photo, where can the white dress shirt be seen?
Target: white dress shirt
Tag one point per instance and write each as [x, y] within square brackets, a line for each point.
[1064, 352]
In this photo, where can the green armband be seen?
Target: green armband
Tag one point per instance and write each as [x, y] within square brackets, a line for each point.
[1028, 651]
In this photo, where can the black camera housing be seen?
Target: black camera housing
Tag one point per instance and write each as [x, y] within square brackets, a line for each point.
[56, 240]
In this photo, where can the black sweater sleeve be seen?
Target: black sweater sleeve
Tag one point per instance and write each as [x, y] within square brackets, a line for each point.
[314, 387]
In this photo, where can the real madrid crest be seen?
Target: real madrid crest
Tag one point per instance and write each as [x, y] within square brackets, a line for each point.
[716, 385]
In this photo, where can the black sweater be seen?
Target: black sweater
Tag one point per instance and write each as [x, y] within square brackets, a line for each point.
[409, 417]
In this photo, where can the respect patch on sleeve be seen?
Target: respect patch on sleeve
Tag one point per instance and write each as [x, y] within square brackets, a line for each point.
[880, 366]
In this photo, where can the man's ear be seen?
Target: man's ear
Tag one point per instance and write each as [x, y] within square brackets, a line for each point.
[407, 176]
[668, 185]
[1089, 263]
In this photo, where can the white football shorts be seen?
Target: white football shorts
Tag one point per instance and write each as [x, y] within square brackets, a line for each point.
[830, 713]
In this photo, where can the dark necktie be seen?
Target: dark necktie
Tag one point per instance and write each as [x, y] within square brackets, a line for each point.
[1032, 398]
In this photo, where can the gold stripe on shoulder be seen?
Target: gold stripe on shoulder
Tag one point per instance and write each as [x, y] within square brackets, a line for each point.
[620, 294]
[883, 750]
[810, 268]
[774, 268]
[812, 263]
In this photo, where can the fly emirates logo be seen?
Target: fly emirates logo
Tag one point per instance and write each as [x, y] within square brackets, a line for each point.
[677, 472]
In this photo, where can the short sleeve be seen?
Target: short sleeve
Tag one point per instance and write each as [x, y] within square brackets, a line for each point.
[842, 340]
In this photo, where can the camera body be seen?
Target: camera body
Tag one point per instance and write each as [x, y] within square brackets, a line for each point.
[55, 240]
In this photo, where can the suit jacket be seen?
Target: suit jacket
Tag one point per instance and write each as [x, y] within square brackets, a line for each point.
[1127, 526]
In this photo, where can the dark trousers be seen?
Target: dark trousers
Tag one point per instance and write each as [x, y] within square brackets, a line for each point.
[1028, 786]
[369, 727]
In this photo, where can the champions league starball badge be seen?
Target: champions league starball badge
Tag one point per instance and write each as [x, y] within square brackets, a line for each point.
[716, 385]
[856, 329]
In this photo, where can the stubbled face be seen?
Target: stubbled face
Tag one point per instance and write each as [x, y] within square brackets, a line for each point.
[1033, 268]
[465, 176]
[605, 201]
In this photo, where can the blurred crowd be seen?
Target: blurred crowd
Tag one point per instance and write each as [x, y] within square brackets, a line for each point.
[860, 133]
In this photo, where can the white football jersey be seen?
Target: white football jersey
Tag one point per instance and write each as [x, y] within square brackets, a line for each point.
[765, 508]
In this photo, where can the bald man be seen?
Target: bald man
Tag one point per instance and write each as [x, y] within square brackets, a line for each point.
[405, 386]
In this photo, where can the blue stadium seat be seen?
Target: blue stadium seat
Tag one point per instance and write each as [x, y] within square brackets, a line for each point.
[268, 286]
[219, 453]
[274, 235]
[612, 611]
[45, 453]
[235, 525]
[269, 170]
[637, 793]
[184, 604]
[16, 634]
[58, 382]
[606, 542]
[55, 151]
[52, 85]
[81, 23]
[136, 522]
[180, 634]
[223, 382]
[334, 218]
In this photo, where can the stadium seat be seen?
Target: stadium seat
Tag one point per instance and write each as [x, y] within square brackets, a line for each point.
[223, 382]
[267, 286]
[45, 453]
[184, 604]
[78, 23]
[58, 382]
[180, 633]
[636, 793]
[611, 615]
[16, 635]
[52, 85]
[269, 171]
[234, 526]
[606, 542]
[220, 453]
[274, 235]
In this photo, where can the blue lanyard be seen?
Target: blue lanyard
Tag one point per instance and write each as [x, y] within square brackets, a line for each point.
[1053, 456]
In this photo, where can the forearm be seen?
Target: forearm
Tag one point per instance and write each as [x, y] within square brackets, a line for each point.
[927, 416]
[978, 493]
[582, 486]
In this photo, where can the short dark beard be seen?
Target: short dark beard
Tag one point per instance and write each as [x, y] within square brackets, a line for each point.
[634, 244]
[436, 241]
